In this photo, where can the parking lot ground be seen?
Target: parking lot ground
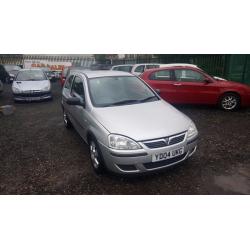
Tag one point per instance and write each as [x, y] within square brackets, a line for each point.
[39, 156]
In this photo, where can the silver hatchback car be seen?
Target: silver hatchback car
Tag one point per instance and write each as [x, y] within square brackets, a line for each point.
[128, 127]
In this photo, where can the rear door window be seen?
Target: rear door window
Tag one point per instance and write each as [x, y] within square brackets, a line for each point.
[161, 75]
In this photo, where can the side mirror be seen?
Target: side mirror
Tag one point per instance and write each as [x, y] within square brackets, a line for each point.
[207, 81]
[158, 91]
[75, 101]
[11, 80]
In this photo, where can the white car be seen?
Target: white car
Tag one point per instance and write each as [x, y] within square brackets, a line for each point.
[178, 64]
[138, 69]
[31, 85]
[123, 67]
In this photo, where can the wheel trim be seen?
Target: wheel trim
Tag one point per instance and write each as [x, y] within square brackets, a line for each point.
[229, 102]
[94, 155]
[65, 119]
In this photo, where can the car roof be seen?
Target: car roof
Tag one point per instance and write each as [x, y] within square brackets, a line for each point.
[101, 73]
[119, 65]
[180, 64]
[174, 67]
[137, 64]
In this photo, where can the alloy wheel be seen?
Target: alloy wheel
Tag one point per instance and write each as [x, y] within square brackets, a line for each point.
[94, 155]
[229, 102]
[65, 119]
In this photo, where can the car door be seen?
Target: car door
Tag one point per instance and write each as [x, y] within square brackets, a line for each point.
[163, 81]
[66, 93]
[78, 112]
[195, 87]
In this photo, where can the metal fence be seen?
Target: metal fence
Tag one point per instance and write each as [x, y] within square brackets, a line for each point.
[232, 67]
[213, 64]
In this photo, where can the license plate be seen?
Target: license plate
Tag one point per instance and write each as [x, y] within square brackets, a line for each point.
[32, 98]
[167, 154]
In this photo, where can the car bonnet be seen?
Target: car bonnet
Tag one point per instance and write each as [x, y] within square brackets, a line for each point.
[31, 85]
[143, 121]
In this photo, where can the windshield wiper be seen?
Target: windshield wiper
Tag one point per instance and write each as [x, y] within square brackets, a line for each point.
[122, 102]
[148, 98]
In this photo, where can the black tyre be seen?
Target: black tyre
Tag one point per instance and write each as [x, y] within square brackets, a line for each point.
[230, 102]
[96, 156]
[66, 121]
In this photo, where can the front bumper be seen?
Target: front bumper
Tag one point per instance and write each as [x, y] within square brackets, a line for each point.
[131, 162]
[32, 96]
[245, 100]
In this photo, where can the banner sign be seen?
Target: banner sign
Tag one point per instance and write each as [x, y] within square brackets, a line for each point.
[29, 64]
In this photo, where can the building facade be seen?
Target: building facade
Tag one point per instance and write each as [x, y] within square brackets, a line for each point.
[75, 59]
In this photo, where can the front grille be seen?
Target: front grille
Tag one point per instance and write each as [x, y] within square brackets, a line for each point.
[152, 165]
[164, 142]
[156, 144]
[176, 139]
[31, 94]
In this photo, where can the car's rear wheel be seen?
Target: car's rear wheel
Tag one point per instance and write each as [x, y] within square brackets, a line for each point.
[230, 102]
[96, 156]
[66, 120]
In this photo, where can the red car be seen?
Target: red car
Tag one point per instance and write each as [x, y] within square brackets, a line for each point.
[191, 85]
[63, 75]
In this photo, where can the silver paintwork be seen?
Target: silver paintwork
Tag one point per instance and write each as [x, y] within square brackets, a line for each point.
[140, 122]
[28, 87]
[1, 86]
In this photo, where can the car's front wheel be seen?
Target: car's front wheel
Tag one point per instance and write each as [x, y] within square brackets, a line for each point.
[230, 102]
[96, 156]
[66, 120]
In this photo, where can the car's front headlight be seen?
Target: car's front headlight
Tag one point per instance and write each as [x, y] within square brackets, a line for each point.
[47, 88]
[192, 130]
[16, 90]
[122, 142]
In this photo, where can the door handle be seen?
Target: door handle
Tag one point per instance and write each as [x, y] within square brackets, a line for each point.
[177, 84]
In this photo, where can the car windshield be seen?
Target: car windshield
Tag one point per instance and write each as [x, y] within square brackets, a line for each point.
[11, 67]
[119, 90]
[149, 66]
[31, 75]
